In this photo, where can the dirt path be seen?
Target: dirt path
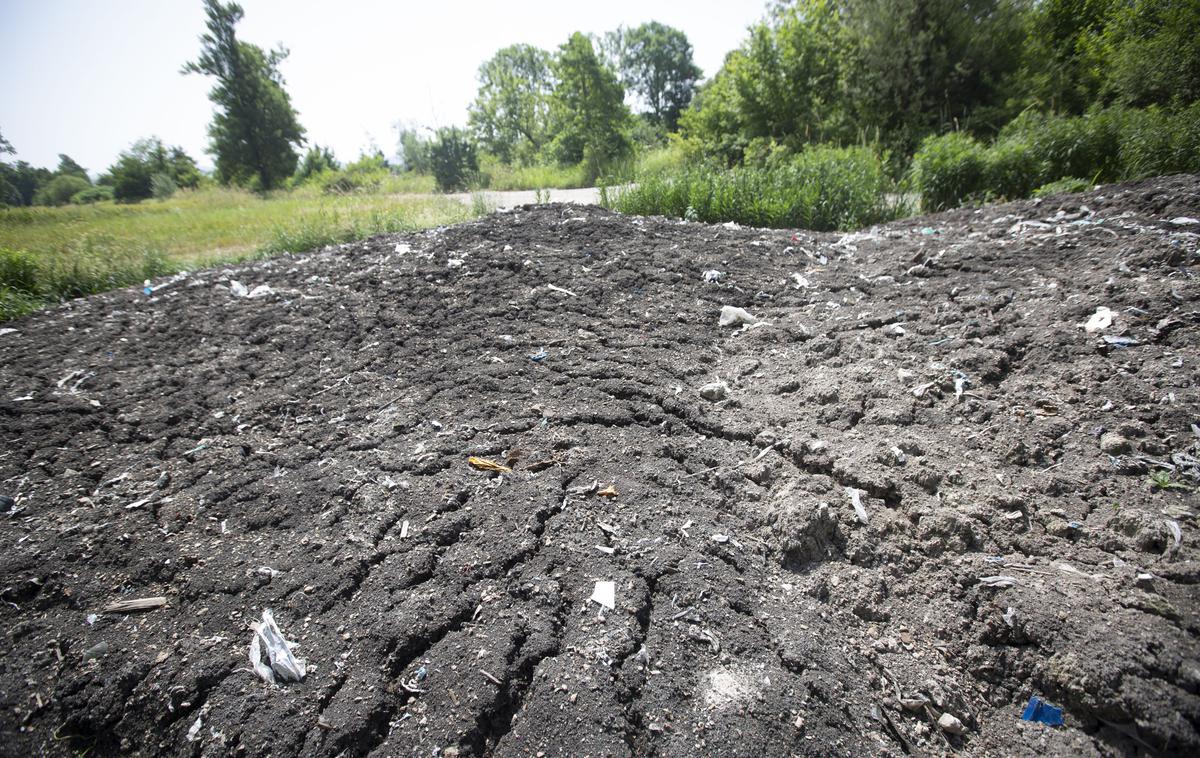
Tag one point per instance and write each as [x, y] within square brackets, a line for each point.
[918, 491]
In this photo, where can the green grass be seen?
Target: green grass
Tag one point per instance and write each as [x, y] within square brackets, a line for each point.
[500, 177]
[51, 254]
[822, 188]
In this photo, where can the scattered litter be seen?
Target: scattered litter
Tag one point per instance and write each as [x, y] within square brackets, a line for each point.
[714, 391]
[7, 330]
[237, 288]
[147, 290]
[483, 464]
[731, 225]
[455, 262]
[489, 676]
[856, 500]
[950, 724]
[91, 618]
[1010, 617]
[921, 389]
[606, 549]
[732, 316]
[800, 280]
[609, 491]
[1185, 221]
[928, 230]
[404, 530]
[998, 581]
[605, 594]
[1099, 321]
[556, 288]
[539, 356]
[98, 650]
[961, 382]
[1176, 532]
[138, 503]
[720, 538]
[1041, 711]
[141, 604]
[894, 330]
[712, 276]
[267, 571]
[193, 733]
[403, 248]
[1121, 341]
[261, 290]
[275, 662]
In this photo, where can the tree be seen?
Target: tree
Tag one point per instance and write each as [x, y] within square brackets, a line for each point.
[317, 160]
[1058, 70]
[588, 110]
[68, 167]
[133, 175]
[453, 158]
[510, 115]
[655, 63]
[255, 131]
[60, 190]
[1149, 52]
[413, 150]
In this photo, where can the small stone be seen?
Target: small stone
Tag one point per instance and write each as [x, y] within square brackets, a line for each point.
[1145, 581]
[1114, 444]
[714, 391]
[96, 651]
[950, 724]
[7, 503]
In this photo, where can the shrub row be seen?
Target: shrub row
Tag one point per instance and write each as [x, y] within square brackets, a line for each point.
[821, 188]
[1112, 144]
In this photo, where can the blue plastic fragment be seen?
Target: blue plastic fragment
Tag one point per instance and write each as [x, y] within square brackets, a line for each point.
[929, 230]
[1040, 710]
[539, 356]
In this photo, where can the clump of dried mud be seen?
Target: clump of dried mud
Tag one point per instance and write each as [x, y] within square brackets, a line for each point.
[919, 488]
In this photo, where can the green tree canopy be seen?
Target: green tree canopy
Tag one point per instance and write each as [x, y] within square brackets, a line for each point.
[317, 160]
[588, 112]
[68, 167]
[655, 64]
[255, 132]
[133, 175]
[510, 115]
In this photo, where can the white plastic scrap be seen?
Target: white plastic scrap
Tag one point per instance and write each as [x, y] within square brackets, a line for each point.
[712, 276]
[1099, 321]
[1176, 532]
[856, 500]
[732, 316]
[605, 594]
[193, 733]
[7, 330]
[275, 662]
[800, 280]
[403, 248]
[999, 580]
[261, 290]
[237, 288]
[1185, 221]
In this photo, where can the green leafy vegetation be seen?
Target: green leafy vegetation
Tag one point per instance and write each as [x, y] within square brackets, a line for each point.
[822, 188]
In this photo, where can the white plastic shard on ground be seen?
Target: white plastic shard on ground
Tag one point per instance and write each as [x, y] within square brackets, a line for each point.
[856, 500]
[605, 594]
[271, 655]
[1099, 321]
[732, 316]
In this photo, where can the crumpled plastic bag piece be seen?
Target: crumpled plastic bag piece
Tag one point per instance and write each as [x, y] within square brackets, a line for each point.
[1041, 711]
[732, 316]
[271, 654]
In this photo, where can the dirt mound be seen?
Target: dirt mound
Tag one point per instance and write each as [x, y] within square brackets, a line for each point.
[915, 490]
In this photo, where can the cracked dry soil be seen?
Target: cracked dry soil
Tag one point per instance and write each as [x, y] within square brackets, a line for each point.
[306, 451]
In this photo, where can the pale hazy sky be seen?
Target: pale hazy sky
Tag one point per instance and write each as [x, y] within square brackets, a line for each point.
[88, 77]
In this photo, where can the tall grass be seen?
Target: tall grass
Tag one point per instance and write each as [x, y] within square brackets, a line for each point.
[822, 188]
[51, 254]
[500, 177]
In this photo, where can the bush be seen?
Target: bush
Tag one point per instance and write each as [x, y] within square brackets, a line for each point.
[1088, 145]
[60, 190]
[1010, 170]
[162, 186]
[91, 195]
[453, 159]
[19, 272]
[821, 188]
[1155, 142]
[1063, 186]
[948, 170]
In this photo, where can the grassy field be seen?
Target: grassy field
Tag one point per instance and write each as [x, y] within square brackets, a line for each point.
[50, 254]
